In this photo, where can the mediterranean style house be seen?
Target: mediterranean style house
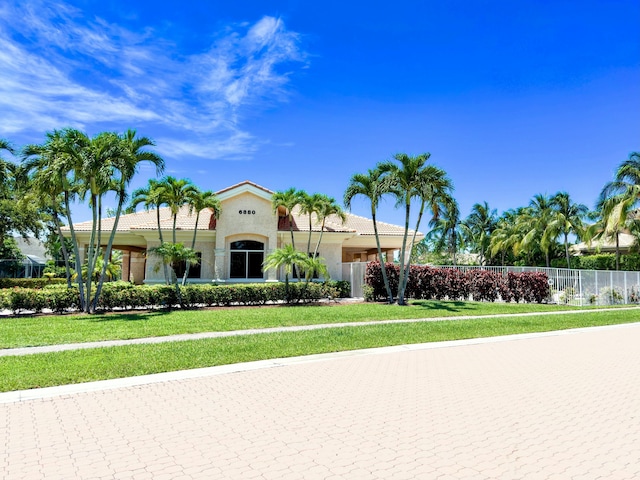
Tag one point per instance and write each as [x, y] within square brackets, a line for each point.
[233, 247]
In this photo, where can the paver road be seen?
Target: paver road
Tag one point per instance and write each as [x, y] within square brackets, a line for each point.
[551, 407]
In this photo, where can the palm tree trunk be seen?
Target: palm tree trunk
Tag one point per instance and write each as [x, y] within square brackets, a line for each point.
[385, 279]
[401, 300]
[161, 238]
[617, 251]
[413, 241]
[76, 251]
[63, 247]
[107, 254]
[566, 249]
[315, 251]
[193, 246]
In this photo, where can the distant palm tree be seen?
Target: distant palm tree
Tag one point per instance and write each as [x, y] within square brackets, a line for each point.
[567, 218]
[447, 232]
[506, 237]
[534, 222]
[372, 186]
[480, 224]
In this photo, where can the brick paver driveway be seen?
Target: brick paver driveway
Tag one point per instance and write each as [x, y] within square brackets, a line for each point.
[565, 407]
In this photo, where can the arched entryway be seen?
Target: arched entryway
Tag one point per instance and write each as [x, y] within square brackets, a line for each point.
[246, 257]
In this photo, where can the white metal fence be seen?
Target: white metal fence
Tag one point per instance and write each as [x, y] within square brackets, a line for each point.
[566, 286]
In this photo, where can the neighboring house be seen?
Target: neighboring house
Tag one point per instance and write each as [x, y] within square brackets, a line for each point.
[626, 241]
[32, 265]
[233, 247]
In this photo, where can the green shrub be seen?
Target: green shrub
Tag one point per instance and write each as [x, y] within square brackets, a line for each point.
[30, 282]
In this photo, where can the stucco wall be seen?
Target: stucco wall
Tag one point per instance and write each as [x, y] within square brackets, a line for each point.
[244, 217]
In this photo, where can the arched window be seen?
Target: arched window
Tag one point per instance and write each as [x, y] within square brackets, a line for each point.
[246, 259]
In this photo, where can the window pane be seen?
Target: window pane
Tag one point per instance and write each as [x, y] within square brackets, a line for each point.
[238, 265]
[247, 245]
[255, 264]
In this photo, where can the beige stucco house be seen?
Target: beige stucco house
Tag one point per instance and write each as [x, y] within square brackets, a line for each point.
[233, 247]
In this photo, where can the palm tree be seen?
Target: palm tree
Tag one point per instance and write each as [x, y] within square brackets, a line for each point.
[615, 218]
[286, 257]
[151, 197]
[412, 178]
[288, 199]
[309, 205]
[327, 207]
[199, 201]
[129, 152]
[535, 221]
[447, 231]
[372, 186]
[7, 169]
[480, 224]
[506, 237]
[176, 194]
[567, 218]
[173, 254]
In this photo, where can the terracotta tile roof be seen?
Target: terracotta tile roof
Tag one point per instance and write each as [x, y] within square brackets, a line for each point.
[353, 224]
[146, 220]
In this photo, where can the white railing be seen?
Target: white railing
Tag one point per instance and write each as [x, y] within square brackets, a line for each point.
[566, 286]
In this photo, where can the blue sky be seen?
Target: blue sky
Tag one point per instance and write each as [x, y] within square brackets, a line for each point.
[510, 98]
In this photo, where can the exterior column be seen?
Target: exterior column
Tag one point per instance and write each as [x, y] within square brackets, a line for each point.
[136, 269]
[219, 266]
[126, 264]
[272, 273]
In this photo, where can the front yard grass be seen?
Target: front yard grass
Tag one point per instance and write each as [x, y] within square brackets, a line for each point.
[25, 331]
[42, 370]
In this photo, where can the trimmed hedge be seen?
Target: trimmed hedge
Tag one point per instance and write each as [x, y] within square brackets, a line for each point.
[600, 261]
[126, 296]
[31, 282]
[431, 283]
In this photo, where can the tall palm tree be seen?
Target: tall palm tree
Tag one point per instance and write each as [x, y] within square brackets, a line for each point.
[372, 186]
[480, 224]
[309, 205]
[176, 194]
[567, 218]
[327, 207]
[411, 178]
[199, 201]
[289, 200]
[129, 153]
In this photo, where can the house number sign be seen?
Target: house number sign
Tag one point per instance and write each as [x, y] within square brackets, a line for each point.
[246, 212]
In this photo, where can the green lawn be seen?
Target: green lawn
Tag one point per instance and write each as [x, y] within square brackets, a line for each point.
[23, 331]
[61, 368]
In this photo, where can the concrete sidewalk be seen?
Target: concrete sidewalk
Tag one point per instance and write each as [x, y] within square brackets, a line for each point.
[560, 405]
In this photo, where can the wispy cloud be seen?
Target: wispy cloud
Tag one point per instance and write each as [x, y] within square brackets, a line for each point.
[60, 68]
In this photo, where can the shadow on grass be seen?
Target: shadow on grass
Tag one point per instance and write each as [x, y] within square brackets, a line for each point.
[125, 316]
[448, 306]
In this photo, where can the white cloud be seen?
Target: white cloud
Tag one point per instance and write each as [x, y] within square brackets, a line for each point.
[61, 69]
